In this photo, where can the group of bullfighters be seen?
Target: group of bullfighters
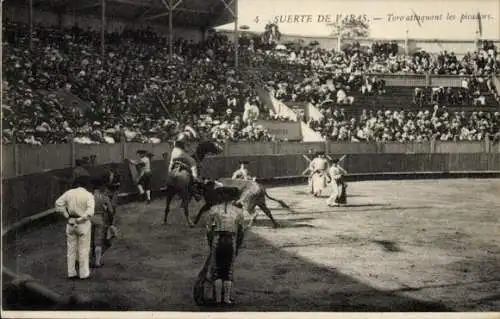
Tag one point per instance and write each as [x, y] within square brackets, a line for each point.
[89, 207]
[322, 171]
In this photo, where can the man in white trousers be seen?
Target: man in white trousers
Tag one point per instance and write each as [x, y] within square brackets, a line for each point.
[77, 205]
[336, 173]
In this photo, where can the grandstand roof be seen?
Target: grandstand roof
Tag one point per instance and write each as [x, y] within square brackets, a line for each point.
[187, 13]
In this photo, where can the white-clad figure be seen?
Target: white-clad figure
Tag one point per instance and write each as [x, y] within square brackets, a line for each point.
[337, 173]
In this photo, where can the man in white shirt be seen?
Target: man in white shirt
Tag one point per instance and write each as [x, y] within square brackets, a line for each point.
[336, 173]
[77, 205]
[144, 174]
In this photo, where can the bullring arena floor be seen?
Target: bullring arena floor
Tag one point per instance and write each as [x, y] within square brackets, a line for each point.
[428, 245]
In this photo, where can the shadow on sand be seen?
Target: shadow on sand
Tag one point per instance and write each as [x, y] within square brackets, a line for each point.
[153, 268]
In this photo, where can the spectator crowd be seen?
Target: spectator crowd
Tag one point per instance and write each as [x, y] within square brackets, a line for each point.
[403, 126]
[137, 93]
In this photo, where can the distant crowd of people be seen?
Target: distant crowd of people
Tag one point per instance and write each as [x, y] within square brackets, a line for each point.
[62, 89]
[403, 126]
[135, 92]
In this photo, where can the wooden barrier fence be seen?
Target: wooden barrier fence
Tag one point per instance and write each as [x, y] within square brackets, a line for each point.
[29, 194]
[23, 159]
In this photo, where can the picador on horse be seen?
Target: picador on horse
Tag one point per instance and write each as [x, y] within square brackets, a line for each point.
[182, 178]
[180, 159]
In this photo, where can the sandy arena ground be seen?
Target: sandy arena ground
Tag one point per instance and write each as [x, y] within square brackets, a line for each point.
[430, 245]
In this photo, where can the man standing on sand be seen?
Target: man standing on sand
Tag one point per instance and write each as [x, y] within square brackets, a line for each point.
[144, 176]
[102, 219]
[225, 229]
[318, 169]
[336, 173]
[77, 205]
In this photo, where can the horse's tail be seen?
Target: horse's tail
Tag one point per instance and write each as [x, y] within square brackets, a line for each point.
[282, 203]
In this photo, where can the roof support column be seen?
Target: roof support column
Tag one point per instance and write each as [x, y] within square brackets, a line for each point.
[234, 13]
[31, 24]
[170, 32]
[103, 28]
[236, 34]
[171, 7]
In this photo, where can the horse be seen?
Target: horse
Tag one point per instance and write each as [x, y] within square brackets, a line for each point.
[179, 180]
[252, 194]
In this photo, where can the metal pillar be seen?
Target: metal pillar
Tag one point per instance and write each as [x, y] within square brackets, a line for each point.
[170, 31]
[407, 48]
[103, 28]
[171, 7]
[31, 24]
[236, 33]
[235, 16]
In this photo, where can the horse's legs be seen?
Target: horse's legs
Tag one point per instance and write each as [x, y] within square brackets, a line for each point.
[185, 205]
[203, 209]
[268, 213]
[167, 203]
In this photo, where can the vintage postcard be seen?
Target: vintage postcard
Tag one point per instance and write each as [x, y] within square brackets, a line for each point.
[248, 158]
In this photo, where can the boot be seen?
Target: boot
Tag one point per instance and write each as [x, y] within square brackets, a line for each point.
[227, 292]
[218, 291]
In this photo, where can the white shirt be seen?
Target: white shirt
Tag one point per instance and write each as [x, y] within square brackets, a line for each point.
[147, 164]
[225, 220]
[76, 202]
[336, 172]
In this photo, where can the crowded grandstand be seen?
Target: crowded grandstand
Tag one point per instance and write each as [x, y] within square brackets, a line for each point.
[62, 89]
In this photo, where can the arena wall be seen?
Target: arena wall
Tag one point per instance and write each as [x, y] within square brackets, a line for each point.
[48, 168]
[29, 197]
[51, 19]
[24, 159]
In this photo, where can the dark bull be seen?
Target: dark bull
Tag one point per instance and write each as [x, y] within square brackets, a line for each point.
[252, 195]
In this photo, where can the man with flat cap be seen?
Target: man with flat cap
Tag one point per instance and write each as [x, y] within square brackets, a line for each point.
[225, 230]
[80, 169]
[242, 172]
[77, 205]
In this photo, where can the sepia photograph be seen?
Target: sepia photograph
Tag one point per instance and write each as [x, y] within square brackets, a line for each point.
[243, 158]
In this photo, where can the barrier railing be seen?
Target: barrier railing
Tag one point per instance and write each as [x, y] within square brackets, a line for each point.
[23, 159]
[25, 196]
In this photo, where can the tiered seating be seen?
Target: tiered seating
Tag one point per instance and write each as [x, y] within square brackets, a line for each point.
[402, 97]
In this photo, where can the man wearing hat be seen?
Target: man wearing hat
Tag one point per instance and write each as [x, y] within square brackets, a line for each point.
[242, 172]
[225, 230]
[77, 205]
[180, 154]
[102, 218]
[318, 173]
[336, 173]
[80, 169]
